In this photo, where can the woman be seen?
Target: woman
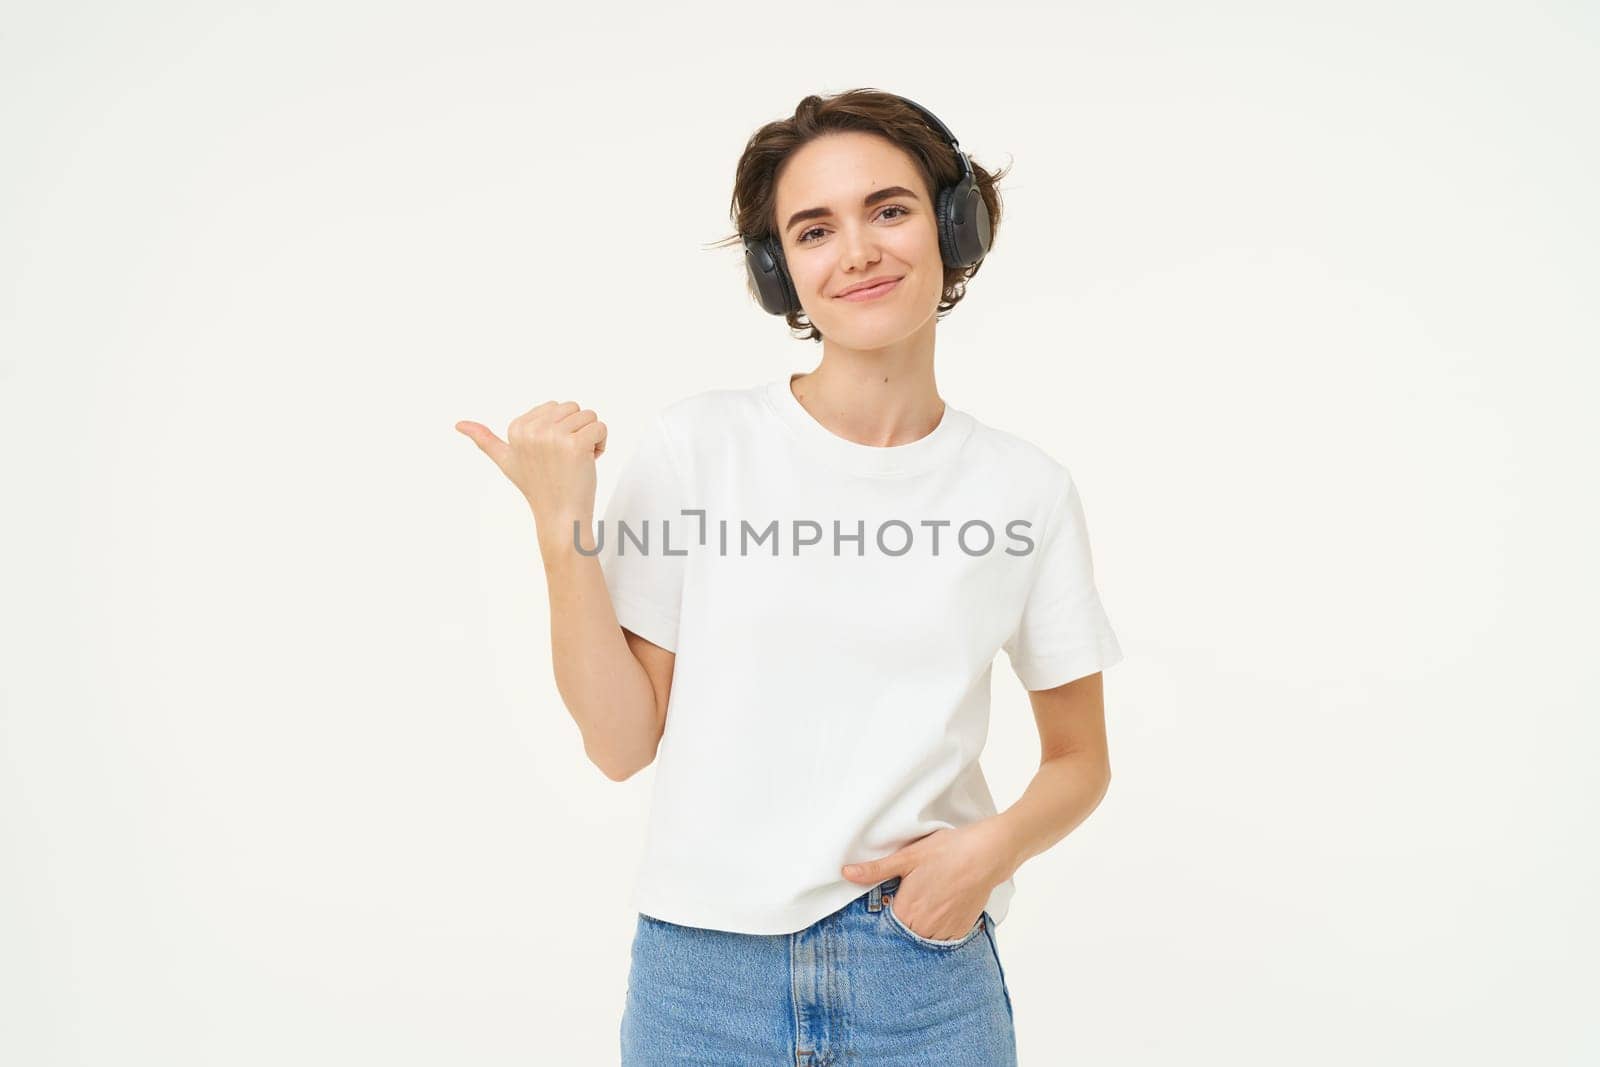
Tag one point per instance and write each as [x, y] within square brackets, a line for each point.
[804, 648]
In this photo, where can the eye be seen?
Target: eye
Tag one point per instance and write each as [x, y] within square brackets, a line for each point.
[804, 236]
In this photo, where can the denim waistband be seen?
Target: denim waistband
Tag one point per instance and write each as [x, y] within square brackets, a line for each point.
[881, 890]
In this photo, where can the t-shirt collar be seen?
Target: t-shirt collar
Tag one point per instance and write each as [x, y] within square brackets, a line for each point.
[881, 461]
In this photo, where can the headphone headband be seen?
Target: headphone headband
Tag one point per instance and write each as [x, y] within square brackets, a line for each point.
[944, 131]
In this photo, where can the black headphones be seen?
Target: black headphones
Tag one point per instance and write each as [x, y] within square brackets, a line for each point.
[959, 210]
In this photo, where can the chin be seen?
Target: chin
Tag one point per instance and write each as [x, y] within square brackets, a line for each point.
[865, 337]
[866, 330]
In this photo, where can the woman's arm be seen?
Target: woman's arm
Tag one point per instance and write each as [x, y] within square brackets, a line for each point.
[1074, 769]
[613, 682]
[615, 686]
[950, 872]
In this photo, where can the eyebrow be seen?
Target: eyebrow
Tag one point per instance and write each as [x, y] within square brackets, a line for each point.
[870, 199]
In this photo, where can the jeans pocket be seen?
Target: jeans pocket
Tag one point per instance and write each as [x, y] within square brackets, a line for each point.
[933, 942]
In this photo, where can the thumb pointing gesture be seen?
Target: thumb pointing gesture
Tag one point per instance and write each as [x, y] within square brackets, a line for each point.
[549, 454]
[485, 439]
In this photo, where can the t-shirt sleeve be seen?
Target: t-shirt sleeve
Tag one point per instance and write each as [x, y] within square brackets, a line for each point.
[1064, 633]
[646, 587]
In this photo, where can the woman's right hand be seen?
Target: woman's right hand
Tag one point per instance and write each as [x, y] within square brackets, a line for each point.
[549, 454]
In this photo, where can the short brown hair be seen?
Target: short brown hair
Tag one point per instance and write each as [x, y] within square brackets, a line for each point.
[753, 208]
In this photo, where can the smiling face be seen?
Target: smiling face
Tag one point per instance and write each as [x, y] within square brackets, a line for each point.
[853, 207]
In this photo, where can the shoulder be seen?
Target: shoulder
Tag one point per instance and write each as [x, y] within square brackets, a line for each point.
[1018, 459]
[713, 406]
[711, 413]
[709, 422]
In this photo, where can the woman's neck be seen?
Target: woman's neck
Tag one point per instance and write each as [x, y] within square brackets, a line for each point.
[881, 397]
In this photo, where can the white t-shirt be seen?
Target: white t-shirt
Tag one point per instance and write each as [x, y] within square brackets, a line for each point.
[828, 707]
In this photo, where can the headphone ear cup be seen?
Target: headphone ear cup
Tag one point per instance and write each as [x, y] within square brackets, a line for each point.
[946, 226]
[790, 297]
[973, 237]
[965, 231]
[763, 258]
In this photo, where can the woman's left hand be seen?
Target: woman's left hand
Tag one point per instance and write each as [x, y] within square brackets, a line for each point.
[945, 877]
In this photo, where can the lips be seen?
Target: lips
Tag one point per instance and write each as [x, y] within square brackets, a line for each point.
[868, 292]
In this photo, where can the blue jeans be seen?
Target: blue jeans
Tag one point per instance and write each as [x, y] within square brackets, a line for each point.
[857, 987]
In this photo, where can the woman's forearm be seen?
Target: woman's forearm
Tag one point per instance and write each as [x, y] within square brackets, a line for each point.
[1061, 795]
[604, 687]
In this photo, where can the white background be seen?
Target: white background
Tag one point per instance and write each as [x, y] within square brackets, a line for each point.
[1304, 295]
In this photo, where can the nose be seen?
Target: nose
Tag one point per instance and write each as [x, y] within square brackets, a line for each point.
[858, 248]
